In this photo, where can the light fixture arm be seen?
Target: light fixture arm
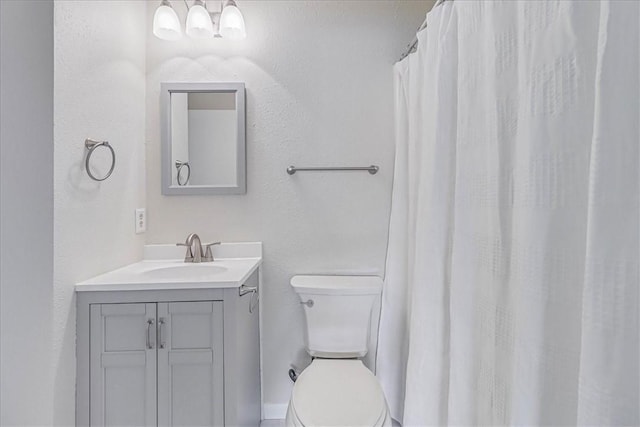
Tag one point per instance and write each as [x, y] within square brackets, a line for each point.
[215, 19]
[203, 3]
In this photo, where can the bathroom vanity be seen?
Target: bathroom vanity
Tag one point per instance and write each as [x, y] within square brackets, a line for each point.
[166, 343]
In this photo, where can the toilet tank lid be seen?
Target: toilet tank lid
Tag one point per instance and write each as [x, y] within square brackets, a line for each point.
[337, 285]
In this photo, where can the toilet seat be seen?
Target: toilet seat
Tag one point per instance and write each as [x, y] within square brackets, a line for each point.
[335, 392]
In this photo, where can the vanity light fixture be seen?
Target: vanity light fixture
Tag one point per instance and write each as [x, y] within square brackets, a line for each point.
[201, 24]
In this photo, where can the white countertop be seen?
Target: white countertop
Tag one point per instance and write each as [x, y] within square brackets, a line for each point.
[162, 270]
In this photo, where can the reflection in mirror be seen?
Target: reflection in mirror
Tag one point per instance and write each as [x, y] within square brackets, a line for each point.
[203, 138]
[203, 135]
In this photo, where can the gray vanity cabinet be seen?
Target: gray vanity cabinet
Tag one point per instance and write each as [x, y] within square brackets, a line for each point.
[169, 354]
[168, 357]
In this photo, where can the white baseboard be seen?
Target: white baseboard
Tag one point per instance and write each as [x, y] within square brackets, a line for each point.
[275, 411]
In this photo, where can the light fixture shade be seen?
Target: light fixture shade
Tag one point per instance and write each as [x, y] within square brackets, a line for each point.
[199, 24]
[166, 25]
[232, 23]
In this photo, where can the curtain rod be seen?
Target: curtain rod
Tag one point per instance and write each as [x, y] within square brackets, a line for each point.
[411, 47]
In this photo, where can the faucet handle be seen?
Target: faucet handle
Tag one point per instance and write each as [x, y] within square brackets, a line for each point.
[208, 256]
[189, 255]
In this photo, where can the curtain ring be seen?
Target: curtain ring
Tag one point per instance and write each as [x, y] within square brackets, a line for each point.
[91, 145]
[179, 165]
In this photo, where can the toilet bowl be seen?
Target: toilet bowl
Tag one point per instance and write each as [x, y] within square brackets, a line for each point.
[337, 389]
[334, 392]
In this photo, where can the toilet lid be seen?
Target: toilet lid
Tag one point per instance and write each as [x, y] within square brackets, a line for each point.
[338, 393]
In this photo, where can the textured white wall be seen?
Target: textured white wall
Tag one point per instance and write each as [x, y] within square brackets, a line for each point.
[319, 86]
[99, 93]
[26, 223]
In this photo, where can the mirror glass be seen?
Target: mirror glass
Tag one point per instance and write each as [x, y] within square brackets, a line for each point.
[203, 138]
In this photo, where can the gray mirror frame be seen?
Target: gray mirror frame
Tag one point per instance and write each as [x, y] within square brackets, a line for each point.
[167, 89]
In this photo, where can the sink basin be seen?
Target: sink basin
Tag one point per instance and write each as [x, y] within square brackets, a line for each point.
[184, 272]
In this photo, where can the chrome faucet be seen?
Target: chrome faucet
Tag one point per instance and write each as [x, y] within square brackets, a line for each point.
[195, 252]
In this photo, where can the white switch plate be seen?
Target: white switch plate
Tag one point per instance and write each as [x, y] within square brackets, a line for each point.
[141, 220]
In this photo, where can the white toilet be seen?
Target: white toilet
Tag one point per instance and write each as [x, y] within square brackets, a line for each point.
[337, 389]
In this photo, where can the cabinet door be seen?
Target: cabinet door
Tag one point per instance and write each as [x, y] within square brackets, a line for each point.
[190, 364]
[123, 365]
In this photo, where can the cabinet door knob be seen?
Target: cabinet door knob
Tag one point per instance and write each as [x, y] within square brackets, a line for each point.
[150, 343]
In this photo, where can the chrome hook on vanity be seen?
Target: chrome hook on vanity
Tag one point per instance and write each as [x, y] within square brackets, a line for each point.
[253, 290]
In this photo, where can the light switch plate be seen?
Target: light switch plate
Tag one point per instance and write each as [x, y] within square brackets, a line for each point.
[141, 220]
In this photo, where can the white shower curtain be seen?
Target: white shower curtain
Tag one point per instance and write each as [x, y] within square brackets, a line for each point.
[511, 288]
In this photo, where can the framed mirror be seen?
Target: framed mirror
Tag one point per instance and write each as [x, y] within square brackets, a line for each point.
[203, 138]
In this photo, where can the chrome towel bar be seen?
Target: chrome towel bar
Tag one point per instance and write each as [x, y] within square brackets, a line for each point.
[371, 169]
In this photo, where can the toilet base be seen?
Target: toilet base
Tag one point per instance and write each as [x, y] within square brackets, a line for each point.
[330, 393]
[291, 420]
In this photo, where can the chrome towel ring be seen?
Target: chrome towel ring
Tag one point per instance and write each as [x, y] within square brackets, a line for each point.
[179, 165]
[91, 145]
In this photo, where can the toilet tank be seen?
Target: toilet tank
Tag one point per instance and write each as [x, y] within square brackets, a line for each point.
[338, 313]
